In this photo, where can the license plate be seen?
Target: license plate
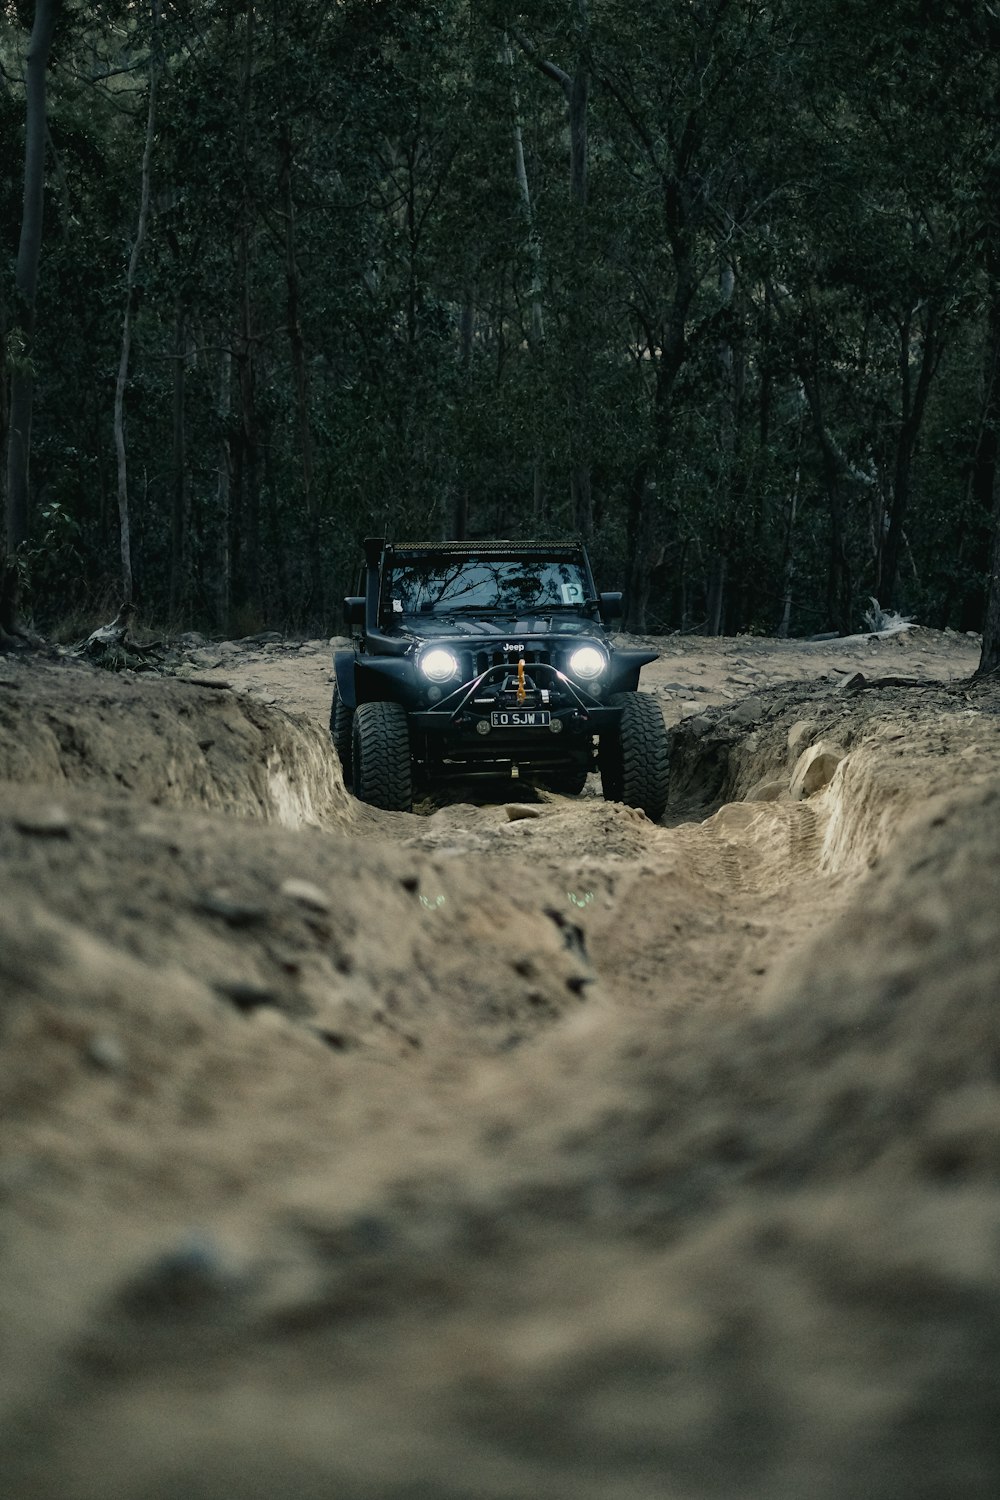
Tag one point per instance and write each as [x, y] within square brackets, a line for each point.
[520, 718]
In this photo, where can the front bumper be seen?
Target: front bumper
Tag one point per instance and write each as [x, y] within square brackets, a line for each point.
[459, 734]
[468, 708]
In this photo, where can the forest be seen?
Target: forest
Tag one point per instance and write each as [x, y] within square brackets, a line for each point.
[712, 283]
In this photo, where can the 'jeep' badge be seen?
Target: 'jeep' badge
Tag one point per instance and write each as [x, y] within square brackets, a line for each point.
[513, 645]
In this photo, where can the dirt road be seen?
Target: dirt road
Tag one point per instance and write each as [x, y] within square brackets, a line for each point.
[516, 1149]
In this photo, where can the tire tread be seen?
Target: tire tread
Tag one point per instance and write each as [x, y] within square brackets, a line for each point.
[381, 756]
[342, 733]
[635, 762]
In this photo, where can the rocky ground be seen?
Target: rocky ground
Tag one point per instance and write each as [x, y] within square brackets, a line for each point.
[513, 1148]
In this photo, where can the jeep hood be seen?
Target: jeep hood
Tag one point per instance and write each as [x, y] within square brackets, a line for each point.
[498, 627]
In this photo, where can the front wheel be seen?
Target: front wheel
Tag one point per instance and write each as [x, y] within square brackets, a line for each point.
[381, 756]
[342, 732]
[634, 759]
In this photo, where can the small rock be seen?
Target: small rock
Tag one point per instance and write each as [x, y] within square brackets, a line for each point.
[767, 791]
[182, 1281]
[799, 735]
[690, 707]
[698, 725]
[235, 913]
[106, 1053]
[851, 682]
[337, 1041]
[247, 996]
[45, 822]
[517, 810]
[962, 1135]
[306, 894]
[747, 712]
[814, 769]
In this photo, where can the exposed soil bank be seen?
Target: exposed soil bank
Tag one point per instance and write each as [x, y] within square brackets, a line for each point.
[477, 1155]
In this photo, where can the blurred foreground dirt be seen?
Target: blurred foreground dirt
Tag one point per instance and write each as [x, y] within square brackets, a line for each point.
[502, 1150]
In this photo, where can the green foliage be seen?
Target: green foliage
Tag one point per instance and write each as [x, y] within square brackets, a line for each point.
[787, 221]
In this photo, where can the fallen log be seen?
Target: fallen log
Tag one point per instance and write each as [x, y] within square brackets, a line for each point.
[113, 644]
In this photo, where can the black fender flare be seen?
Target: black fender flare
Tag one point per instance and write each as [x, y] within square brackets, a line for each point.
[379, 679]
[625, 668]
[343, 673]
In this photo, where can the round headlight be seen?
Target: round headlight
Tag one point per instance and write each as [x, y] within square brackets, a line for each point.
[587, 663]
[438, 665]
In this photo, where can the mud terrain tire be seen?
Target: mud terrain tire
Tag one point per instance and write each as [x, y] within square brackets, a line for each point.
[342, 732]
[380, 755]
[635, 761]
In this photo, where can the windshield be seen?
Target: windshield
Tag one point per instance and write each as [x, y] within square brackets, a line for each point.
[509, 585]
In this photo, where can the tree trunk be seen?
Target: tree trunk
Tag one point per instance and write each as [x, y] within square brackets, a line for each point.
[581, 499]
[716, 603]
[577, 97]
[645, 554]
[983, 479]
[20, 339]
[577, 94]
[10, 591]
[223, 489]
[4, 387]
[987, 455]
[731, 385]
[838, 587]
[989, 660]
[536, 337]
[300, 371]
[576, 89]
[179, 487]
[246, 529]
[534, 249]
[460, 517]
[133, 266]
[788, 565]
[913, 402]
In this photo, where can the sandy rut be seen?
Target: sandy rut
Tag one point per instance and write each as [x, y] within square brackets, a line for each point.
[501, 1150]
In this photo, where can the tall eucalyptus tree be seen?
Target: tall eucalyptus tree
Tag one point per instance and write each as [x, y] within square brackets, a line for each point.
[21, 335]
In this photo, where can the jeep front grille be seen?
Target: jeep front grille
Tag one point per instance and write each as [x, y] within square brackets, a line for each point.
[481, 661]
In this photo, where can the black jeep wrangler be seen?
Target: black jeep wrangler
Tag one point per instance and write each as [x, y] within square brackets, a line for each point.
[491, 659]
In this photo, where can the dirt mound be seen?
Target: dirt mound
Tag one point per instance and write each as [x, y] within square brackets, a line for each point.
[511, 1150]
[171, 742]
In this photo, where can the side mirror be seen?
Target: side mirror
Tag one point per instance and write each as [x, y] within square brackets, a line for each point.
[610, 607]
[354, 609]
